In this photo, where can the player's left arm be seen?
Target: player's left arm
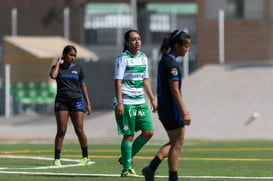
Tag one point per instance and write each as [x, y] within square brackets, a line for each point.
[86, 97]
[177, 96]
[148, 90]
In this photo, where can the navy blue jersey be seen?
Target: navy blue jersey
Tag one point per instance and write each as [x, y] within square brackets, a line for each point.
[169, 114]
[69, 83]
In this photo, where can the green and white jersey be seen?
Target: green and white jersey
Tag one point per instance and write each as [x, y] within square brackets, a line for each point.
[132, 70]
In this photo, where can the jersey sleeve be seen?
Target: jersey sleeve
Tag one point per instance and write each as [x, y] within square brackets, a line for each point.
[120, 66]
[173, 71]
[82, 77]
[146, 73]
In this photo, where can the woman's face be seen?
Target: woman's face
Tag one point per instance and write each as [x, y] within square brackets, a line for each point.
[134, 43]
[70, 57]
[183, 49]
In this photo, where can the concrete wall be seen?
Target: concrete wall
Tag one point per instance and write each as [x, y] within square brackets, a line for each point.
[100, 83]
[245, 40]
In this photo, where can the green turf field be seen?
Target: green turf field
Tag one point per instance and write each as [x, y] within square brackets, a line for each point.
[200, 160]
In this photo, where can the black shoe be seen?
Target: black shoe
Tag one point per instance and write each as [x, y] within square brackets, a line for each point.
[148, 174]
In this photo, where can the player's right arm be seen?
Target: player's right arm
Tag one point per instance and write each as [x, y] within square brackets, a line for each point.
[55, 69]
[120, 65]
[118, 92]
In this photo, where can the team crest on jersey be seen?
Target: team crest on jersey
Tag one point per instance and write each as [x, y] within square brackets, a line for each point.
[143, 60]
[131, 60]
[125, 127]
[174, 71]
[74, 72]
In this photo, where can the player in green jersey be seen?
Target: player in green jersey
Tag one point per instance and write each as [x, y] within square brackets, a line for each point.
[131, 111]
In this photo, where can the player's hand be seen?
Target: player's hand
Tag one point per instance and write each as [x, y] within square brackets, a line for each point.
[88, 109]
[119, 109]
[187, 119]
[154, 106]
[60, 60]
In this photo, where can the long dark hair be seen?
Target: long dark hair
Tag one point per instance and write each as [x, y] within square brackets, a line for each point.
[69, 48]
[177, 36]
[126, 38]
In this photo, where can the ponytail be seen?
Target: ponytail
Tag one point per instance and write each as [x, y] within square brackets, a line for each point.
[165, 45]
[176, 37]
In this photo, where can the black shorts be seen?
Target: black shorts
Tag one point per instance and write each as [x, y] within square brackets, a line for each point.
[170, 117]
[74, 105]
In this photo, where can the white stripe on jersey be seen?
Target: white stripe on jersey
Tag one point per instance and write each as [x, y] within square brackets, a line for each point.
[132, 68]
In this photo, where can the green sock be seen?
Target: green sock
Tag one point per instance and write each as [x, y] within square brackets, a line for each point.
[137, 145]
[126, 154]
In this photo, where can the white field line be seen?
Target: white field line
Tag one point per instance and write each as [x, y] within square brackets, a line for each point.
[44, 167]
[101, 175]
[61, 174]
[118, 175]
[52, 166]
[38, 158]
[228, 177]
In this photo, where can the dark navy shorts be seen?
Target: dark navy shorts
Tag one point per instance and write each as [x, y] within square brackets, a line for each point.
[170, 117]
[74, 105]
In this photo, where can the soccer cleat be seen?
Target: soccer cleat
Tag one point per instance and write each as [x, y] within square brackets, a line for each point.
[85, 161]
[129, 173]
[148, 174]
[57, 162]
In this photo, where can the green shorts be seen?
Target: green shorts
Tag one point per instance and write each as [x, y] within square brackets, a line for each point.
[135, 118]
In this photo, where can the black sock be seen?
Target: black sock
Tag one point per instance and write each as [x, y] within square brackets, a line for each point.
[173, 176]
[155, 163]
[84, 152]
[57, 154]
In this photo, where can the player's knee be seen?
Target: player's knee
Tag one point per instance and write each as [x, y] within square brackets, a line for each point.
[178, 144]
[147, 134]
[79, 132]
[61, 132]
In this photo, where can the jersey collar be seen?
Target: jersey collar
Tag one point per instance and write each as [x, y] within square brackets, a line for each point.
[68, 67]
[127, 51]
[172, 56]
